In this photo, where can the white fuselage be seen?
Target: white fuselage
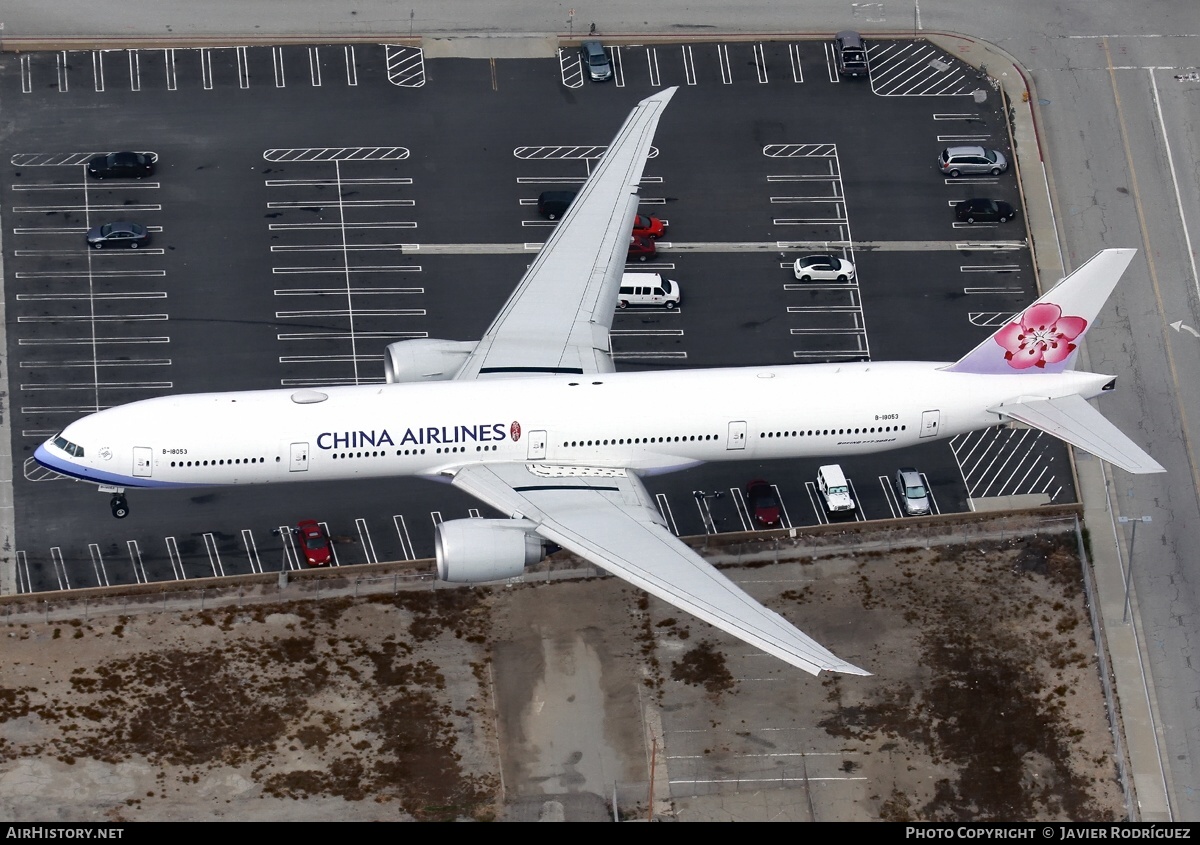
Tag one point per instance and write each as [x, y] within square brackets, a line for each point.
[647, 422]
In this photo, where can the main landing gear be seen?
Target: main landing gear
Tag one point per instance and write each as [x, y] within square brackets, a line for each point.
[120, 507]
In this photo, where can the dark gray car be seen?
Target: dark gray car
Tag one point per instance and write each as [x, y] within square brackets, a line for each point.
[120, 234]
[596, 61]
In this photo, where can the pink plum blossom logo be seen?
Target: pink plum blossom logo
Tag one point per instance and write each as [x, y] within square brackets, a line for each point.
[1040, 336]
[514, 431]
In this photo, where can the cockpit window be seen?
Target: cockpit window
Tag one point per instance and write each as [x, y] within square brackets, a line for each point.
[68, 447]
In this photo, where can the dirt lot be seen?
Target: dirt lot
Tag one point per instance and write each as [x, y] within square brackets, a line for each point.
[467, 703]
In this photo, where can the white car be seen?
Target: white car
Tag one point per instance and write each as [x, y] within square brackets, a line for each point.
[823, 268]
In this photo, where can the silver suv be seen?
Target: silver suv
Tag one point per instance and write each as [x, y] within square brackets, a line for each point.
[955, 161]
[911, 491]
[595, 61]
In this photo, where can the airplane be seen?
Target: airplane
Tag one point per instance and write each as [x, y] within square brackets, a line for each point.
[535, 421]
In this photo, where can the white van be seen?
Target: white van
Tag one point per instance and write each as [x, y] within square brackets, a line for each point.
[648, 289]
[835, 490]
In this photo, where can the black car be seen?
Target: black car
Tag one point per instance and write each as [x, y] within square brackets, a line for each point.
[130, 235]
[554, 204]
[122, 165]
[984, 211]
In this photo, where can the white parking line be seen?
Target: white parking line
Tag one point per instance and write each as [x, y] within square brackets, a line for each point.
[98, 565]
[406, 546]
[135, 560]
[251, 550]
[214, 554]
[364, 539]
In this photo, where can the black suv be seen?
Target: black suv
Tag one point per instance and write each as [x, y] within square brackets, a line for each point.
[851, 53]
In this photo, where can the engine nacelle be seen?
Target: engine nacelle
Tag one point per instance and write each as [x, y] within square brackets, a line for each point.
[470, 551]
[425, 359]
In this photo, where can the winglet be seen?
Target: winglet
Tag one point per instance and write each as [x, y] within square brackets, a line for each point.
[1045, 336]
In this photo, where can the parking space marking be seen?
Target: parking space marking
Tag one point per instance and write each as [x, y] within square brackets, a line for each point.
[172, 77]
[342, 291]
[135, 560]
[98, 71]
[26, 72]
[1002, 461]
[993, 268]
[760, 63]
[291, 557]
[889, 495]
[24, 582]
[723, 64]
[689, 65]
[364, 540]
[243, 68]
[342, 271]
[917, 69]
[214, 554]
[333, 556]
[334, 154]
[98, 565]
[831, 62]
[570, 68]
[176, 559]
[251, 550]
[664, 510]
[797, 66]
[976, 140]
[743, 511]
[652, 67]
[206, 74]
[405, 65]
[406, 546]
[60, 568]
[702, 507]
[277, 67]
[314, 66]
[61, 65]
[617, 60]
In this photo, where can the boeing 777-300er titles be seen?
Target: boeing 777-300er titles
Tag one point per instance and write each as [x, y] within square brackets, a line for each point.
[534, 421]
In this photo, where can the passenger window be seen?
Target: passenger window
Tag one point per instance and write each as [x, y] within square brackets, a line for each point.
[658, 292]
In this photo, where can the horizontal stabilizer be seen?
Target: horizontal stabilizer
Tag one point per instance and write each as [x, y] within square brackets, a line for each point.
[1073, 419]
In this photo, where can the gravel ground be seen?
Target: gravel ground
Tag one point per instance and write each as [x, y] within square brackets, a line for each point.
[547, 698]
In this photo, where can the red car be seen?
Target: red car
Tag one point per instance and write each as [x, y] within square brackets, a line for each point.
[648, 227]
[763, 504]
[641, 248]
[317, 549]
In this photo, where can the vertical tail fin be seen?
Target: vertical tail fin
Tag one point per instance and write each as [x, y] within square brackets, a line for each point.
[1044, 337]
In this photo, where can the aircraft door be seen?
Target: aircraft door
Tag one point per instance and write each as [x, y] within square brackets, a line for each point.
[737, 436]
[143, 461]
[929, 423]
[299, 458]
[537, 445]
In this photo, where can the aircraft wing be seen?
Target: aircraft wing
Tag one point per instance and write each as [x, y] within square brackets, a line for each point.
[1073, 419]
[607, 517]
[559, 317]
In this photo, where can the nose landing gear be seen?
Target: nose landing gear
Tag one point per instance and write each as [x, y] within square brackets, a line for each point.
[120, 508]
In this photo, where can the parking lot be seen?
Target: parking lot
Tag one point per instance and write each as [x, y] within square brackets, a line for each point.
[313, 204]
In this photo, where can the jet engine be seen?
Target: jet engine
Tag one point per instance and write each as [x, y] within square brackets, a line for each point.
[425, 359]
[474, 550]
